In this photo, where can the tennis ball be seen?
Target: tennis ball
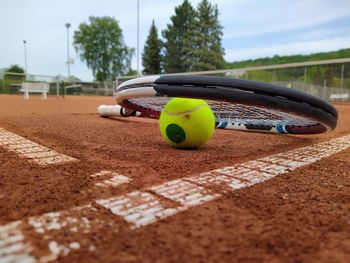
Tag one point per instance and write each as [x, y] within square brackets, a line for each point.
[187, 123]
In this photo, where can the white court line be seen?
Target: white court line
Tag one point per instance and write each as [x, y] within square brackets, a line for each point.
[193, 190]
[137, 208]
[74, 222]
[114, 179]
[13, 248]
[185, 193]
[31, 150]
[141, 208]
[66, 221]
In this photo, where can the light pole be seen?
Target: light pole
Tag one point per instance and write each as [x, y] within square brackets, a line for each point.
[68, 59]
[25, 57]
[138, 37]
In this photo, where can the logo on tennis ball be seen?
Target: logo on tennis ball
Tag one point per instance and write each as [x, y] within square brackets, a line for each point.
[187, 123]
[175, 133]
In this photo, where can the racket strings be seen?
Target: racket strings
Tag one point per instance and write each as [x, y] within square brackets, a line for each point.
[239, 113]
[227, 112]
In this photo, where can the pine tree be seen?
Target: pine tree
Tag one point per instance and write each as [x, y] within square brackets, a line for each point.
[208, 52]
[151, 57]
[178, 46]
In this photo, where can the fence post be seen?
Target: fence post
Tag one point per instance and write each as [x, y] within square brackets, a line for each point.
[57, 88]
[305, 73]
[342, 76]
[63, 89]
[324, 88]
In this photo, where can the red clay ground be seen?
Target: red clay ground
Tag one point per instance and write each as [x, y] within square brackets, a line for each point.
[302, 216]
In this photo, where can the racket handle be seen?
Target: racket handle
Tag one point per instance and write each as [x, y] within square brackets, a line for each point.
[115, 111]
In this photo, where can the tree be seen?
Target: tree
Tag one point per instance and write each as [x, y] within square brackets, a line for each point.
[208, 52]
[15, 69]
[131, 72]
[178, 47]
[101, 45]
[151, 57]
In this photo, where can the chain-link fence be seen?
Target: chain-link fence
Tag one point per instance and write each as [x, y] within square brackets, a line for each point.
[324, 92]
[327, 79]
[11, 83]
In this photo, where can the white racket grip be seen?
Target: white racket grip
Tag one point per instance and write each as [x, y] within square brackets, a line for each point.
[115, 111]
[109, 110]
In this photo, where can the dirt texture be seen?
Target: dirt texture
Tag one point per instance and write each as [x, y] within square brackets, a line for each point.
[301, 216]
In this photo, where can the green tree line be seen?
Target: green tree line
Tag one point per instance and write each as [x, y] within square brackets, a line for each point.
[275, 60]
[329, 75]
[191, 42]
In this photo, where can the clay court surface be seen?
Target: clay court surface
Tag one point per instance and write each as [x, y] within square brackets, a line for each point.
[103, 200]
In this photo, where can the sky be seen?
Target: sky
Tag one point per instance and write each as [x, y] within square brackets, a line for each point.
[252, 28]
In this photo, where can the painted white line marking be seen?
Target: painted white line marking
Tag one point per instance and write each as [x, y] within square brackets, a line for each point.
[142, 208]
[31, 150]
[138, 208]
[76, 222]
[58, 250]
[58, 159]
[13, 248]
[246, 173]
[226, 183]
[291, 164]
[59, 220]
[185, 193]
[20, 144]
[102, 173]
[114, 179]
[17, 259]
[48, 153]
[10, 240]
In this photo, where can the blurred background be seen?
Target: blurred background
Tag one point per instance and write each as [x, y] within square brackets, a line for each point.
[89, 47]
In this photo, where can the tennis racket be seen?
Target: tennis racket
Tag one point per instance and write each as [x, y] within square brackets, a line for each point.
[237, 104]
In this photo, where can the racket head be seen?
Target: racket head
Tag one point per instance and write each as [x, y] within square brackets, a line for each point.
[237, 104]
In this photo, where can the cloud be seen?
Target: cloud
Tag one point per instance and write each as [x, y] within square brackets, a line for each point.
[304, 47]
[266, 17]
[249, 27]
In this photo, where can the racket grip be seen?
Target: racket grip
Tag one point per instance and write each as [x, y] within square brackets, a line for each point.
[115, 111]
[109, 110]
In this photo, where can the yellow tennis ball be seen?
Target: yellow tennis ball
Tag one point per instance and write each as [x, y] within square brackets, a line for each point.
[187, 123]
